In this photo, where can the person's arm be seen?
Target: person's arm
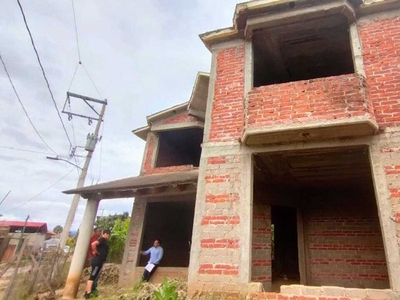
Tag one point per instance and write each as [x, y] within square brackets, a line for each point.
[159, 256]
[94, 247]
[147, 252]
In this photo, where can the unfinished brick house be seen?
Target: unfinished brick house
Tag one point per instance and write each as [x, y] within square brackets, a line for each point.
[281, 174]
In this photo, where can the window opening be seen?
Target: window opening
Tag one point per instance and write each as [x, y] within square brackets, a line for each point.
[179, 147]
[307, 50]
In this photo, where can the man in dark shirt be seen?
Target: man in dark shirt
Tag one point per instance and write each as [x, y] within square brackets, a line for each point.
[100, 250]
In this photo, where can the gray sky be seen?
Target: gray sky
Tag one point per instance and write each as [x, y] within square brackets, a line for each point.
[143, 57]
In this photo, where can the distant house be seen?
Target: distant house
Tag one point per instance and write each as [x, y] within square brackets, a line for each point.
[10, 234]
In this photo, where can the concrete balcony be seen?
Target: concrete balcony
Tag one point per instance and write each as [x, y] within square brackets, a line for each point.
[315, 109]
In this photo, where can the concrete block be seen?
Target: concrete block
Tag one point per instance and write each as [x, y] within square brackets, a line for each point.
[333, 291]
[378, 294]
[311, 291]
[255, 287]
[294, 289]
[355, 293]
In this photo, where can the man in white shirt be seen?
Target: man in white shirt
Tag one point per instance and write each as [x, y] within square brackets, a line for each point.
[156, 253]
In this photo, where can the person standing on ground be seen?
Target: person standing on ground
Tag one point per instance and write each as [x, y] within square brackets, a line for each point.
[95, 236]
[100, 250]
[156, 253]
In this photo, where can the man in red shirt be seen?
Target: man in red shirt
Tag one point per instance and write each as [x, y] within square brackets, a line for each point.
[96, 235]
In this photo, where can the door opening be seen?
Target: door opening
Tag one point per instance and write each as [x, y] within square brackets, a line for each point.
[285, 259]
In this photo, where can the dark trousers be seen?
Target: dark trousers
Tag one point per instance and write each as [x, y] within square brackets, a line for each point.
[146, 274]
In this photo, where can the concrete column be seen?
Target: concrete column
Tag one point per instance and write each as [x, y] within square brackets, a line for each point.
[388, 226]
[246, 217]
[356, 50]
[81, 249]
[130, 259]
[248, 68]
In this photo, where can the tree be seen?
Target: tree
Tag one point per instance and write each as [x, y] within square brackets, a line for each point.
[58, 229]
[119, 225]
[107, 222]
[118, 239]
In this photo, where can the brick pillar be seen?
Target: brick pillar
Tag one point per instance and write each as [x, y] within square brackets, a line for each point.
[132, 246]
[261, 258]
[220, 259]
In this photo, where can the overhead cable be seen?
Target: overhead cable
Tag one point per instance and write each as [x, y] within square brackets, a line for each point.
[76, 31]
[98, 92]
[37, 195]
[43, 72]
[24, 150]
[23, 107]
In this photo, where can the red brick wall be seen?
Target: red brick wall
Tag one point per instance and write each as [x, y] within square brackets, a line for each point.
[261, 253]
[151, 147]
[227, 116]
[381, 52]
[148, 165]
[182, 117]
[345, 242]
[330, 98]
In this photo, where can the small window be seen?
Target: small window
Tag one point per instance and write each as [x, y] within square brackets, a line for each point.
[307, 50]
[179, 147]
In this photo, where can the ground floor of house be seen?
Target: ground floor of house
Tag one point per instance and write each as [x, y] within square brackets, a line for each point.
[295, 219]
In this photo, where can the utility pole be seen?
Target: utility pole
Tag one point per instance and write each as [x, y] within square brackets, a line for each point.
[90, 147]
[22, 234]
[5, 197]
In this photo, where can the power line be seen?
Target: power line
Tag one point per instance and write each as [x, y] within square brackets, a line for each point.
[34, 197]
[98, 92]
[73, 77]
[76, 31]
[22, 105]
[24, 150]
[43, 72]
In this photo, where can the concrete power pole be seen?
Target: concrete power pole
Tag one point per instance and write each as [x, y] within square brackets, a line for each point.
[90, 147]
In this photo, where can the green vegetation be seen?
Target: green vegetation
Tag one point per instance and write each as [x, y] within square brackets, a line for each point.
[117, 240]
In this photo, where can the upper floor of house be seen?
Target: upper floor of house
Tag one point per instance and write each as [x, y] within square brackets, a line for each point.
[174, 136]
[290, 71]
[286, 71]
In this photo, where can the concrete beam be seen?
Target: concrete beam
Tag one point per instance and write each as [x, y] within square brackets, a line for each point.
[176, 126]
[298, 15]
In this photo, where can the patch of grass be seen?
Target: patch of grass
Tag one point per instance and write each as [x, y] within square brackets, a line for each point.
[168, 290]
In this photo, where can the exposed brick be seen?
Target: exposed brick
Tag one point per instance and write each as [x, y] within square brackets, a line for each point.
[345, 245]
[217, 178]
[220, 243]
[218, 269]
[170, 169]
[216, 160]
[322, 99]
[217, 198]
[380, 40]
[220, 220]
[182, 117]
[394, 169]
[395, 192]
[227, 116]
